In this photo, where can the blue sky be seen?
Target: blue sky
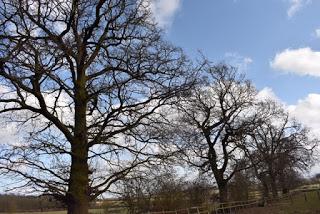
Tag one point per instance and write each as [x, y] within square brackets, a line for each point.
[255, 29]
[275, 42]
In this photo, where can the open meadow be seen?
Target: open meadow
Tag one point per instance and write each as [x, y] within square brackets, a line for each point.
[308, 203]
[93, 211]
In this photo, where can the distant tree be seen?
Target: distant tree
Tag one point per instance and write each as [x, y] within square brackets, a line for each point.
[84, 80]
[277, 147]
[239, 187]
[199, 191]
[212, 120]
[136, 192]
[154, 191]
[316, 178]
[21, 203]
[289, 179]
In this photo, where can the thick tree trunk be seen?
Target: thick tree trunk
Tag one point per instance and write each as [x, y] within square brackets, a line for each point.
[223, 191]
[265, 189]
[283, 183]
[272, 179]
[78, 194]
[78, 198]
[274, 188]
[285, 190]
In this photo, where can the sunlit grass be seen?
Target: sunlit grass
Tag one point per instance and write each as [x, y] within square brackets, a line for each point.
[300, 205]
[93, 211]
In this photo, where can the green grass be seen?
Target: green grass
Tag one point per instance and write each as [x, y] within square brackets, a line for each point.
[93, 211]
[300, 205]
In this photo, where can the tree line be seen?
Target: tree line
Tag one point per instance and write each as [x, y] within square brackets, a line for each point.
[10, 203]
[97, 95]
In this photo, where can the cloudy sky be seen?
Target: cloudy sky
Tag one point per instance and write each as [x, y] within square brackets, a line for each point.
[276, 42]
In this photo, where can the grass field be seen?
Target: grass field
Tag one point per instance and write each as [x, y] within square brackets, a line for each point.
[96, 211]
[298, 205]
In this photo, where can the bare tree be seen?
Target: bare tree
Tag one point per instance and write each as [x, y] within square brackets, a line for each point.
[212, 119]
[154, 191]
[82, 79]
[240, 186]
[277, 146]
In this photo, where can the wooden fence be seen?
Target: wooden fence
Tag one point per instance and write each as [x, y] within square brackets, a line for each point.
[233, 207]
[216, 208]
[224, 208]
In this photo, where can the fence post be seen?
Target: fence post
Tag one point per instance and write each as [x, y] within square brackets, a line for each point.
[305, 197]
[198, 210]
[318, 193]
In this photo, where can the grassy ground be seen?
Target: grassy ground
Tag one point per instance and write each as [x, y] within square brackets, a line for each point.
[96, 211]
[298, 205]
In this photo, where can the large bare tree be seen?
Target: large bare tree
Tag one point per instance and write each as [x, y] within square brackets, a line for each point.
[212, 119]
[83, 80]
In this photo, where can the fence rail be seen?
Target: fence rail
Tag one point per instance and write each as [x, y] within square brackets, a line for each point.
[232, 207]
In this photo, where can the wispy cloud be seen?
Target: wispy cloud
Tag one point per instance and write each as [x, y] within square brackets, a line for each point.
[317, 33]
[164, 11]
[238, 61]
[295, 6]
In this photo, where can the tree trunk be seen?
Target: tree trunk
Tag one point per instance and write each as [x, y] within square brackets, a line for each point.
[78, 194]
[284, 186]
[265, 189]
[223, 191]
[274, 188]
[78, 197]
[272, 179]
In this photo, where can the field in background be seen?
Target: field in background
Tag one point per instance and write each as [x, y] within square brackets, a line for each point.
[307, 200]
[298, 205]
[96, 211]
[301, 205]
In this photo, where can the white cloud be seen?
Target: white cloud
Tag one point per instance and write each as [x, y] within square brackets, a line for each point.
[295, 6]
[303, 61]
[307, 111]
[164, 11]
[9, 134]
[267, 94]
[317, 33]
[238, 61]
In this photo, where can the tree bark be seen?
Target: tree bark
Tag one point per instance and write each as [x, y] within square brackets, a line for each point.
[265, 188]
[78, 194]
[223, 191]
[274, 187]
[283, 183]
